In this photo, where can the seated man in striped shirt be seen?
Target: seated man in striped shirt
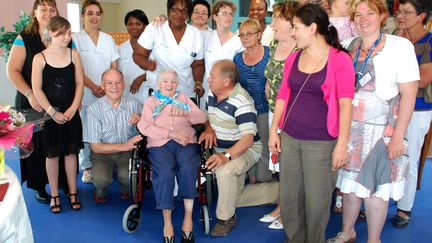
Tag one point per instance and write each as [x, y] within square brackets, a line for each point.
[232, 131]
[112, 134]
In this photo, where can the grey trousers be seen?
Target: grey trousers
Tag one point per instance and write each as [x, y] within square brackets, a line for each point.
[261, 169]
[102, 171]
[306, 186]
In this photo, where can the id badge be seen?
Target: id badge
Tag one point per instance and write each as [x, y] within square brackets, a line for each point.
[365, 79]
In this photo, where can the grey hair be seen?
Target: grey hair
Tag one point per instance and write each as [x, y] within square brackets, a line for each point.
[111, 69]
[164, 71]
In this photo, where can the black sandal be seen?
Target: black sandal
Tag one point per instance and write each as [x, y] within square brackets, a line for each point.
[187, 238]
[56, 208]
[74, 203]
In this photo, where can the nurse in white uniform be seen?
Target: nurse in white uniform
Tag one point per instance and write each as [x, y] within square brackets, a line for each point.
[222, 43]
[174, 45]
[258, 11]
[135, 77]
[200, 16]
[98, 53]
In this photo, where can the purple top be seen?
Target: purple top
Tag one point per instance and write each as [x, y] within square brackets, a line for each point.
[308, 117]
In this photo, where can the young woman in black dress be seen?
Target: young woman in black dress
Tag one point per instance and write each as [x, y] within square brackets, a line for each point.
[57, 81]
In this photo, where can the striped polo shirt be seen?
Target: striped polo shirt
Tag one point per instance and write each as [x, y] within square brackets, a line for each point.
[107, 124]
[233, 117]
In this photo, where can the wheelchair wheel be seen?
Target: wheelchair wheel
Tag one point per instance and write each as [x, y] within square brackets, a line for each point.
[205, 218]
[208, 182]
[131, 218]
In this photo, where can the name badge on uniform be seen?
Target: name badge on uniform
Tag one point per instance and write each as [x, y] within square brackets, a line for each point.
[365, 79]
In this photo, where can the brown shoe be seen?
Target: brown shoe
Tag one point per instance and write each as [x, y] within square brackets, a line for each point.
[223, 227]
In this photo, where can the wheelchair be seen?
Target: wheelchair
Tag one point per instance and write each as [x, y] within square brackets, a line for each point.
[140, 180]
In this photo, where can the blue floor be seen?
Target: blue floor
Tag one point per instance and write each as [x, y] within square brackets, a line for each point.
[102, 223]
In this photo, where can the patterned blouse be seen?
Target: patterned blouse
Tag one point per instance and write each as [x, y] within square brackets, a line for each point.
[274, 74]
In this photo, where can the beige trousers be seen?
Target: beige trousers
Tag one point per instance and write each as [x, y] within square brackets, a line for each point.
[232, 190]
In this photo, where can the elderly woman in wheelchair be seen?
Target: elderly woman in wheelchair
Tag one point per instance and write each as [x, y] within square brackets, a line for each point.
[172, 149]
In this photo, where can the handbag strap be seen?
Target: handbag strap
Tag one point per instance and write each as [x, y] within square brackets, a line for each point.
[301, 89]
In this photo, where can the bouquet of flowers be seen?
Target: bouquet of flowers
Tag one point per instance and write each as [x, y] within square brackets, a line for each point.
[13, 130]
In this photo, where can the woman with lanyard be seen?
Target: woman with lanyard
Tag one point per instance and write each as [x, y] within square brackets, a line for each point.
[19, 70]
[175, 45]
[313, 110]
[135, 78]
[411, 17]
[221, 43]
[387, 77]
[282, 45]
[98, 53]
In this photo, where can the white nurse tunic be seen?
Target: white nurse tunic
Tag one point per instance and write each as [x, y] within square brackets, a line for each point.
[131, 71]
[168, 54]
[215, 51]
[95, 59]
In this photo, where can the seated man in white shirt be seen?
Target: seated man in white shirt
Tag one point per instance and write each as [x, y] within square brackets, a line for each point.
[112, 134]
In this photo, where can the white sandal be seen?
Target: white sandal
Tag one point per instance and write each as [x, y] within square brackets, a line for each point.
[267, 218]
[276, 225]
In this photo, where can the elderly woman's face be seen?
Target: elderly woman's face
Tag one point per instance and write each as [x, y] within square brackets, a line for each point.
[168, 84]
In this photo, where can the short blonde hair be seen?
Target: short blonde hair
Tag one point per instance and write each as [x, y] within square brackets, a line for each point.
[252, 23]
[378, 6]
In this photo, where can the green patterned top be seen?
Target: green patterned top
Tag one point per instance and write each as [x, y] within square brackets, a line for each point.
[274, 73]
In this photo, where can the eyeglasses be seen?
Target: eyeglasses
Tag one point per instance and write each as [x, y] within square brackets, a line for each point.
[405, 12]
[247, 34]
[179, 11]
[203, 13]
[225, 14]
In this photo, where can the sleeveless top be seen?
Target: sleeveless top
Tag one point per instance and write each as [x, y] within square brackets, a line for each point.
[33, 45]
[59, 84]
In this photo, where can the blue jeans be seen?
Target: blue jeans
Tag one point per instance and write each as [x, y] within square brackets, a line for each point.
[168, 162]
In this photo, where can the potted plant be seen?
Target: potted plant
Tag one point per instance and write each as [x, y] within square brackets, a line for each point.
[8, 37]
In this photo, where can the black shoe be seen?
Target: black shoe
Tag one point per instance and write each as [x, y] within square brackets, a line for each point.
[167, 239]
[187, 239]
[400, 221]
[42, 196]
[223, 227]
[361, 216]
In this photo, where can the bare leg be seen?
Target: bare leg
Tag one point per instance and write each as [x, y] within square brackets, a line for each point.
[168, 227]
[71, 172]
[276, 212]
[376, 213]
[52, 169]
[350, 212]
[187, 220]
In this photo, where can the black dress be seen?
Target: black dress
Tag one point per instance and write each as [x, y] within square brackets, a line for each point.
[58, 85]
[33, 167]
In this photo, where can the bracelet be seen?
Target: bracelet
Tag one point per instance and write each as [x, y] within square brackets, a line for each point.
[27, 93]
[55, 112]
[48, 110]
[199, 82]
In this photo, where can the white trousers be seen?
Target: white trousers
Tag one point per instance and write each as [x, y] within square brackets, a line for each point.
[416, 131]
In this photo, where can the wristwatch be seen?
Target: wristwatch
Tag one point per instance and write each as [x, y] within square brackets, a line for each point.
[227, 155]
